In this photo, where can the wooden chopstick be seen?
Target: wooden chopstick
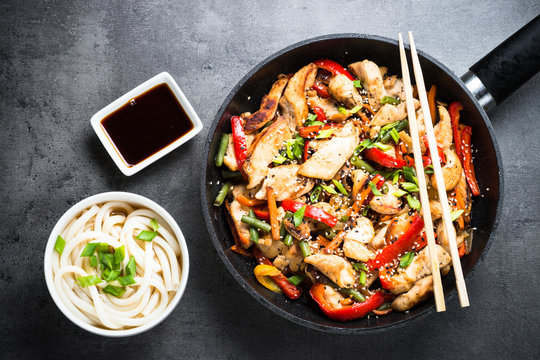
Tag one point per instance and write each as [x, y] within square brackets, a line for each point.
[424, 198]
[448, 226]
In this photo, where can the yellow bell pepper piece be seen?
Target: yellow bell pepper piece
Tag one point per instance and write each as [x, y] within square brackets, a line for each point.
[263, 273]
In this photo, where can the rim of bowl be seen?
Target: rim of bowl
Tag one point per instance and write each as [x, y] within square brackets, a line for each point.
[132, 199]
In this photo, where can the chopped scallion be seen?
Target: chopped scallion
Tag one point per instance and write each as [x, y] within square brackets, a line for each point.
[355, 109]
[374, 189]
[111, 275]
[119, 254]
[410, 174]
[114, 290]
[296, 279]
[126, 280]
[85, 281]
[107, 260]
[340, 187]
[102, 247]
[131, 266]
[154, 224]
[59, 244]
[280, 159]
[311, 117]
[359, 266]
[390, 100]
[288, 239]
[90, 249]
[410, 187]
[406, 259]
[399, 193]
[343, 110]
[329, 189]
[299, 216]
[456, 214]
[413, 202]
[93, 261]
[362, 278]
[357, 84]
[314, 196]
[146, 235]
[382, 146]
[394, 134]
[326, 133]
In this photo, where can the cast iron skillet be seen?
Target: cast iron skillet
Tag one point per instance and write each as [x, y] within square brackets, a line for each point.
[520, 52]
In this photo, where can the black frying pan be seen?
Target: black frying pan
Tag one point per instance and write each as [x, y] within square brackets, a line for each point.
[501, 72]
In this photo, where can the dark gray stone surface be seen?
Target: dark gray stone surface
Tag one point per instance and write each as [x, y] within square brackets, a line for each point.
[60, 62]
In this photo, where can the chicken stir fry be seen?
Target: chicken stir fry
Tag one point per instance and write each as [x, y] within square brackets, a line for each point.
[321, 189]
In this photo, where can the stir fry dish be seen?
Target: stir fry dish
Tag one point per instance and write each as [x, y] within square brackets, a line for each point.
[320, 189]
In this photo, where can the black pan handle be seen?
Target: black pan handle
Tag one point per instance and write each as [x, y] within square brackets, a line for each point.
[508, 66]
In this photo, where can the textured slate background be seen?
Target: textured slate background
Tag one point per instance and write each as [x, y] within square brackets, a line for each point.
[60, 62]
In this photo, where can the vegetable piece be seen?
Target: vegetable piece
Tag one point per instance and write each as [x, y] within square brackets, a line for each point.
[304, 247]
[253, 233]
[383, 158]
[110, 275]
[374, 189]
[357, 84]
[382, 146]
[453, 110]
[410, 175]
[296, 279]
[222, 149]
[399, 193]
[154, 224]
[314, 131]
[249, 202]
[299, 216]
[126, 280]
[328, 189]
[346, 313]
[406, 259]
[228, 174]
[114, 290]
[222, 194]
[361, 164]
[405, 242]
[256, 223]
[340, 187]
[456, 214]
[93, 261]
[89, 249]
[59, 245]
[85, 281]
[326, 133]
[365, 195]
[432, 93]
[286, 287]
[467, 163]
[239, 141]
[261, 213]
[119, 254]
[410, 187]
[107, 260]
[102, 247]
[321, 115]
[273, 211]
[395, 136]
[356, 295]
[390, 100]
[355, 109]
[385, 133]
[146, 235]
[306, 150]
[321, 89]
[288, 239]
[314, 196]
[333, 67]
[131, 266]
[311, 212]
[362, 278]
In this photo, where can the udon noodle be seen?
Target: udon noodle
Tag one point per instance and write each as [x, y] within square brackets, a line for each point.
[158, 269]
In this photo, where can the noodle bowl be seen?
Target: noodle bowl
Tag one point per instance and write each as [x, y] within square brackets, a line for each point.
[113, 221]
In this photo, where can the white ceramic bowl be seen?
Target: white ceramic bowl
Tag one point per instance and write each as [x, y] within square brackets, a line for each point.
[131, 198]
[162, 78]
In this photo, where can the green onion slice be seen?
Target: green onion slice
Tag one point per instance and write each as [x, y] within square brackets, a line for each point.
[390, 100]
[382, 146]
[146, 235]
[102, 247]
[394, 134]
[343, 110]
[406, 259]
[399, 193]
[374, 189]
[112, 275]
[340, 187]
[90, 249]
[357, 84]
[328, 189]
[314, 196]
[359, 266]
[59, 244]
[355, 109]
[456, 214]
[280, 159]
[131, 267]
[154, 224]
[114, 290]
[119, 254]
[296, 279]
[410, 174]
[325, 134]
[299, 216]
[410, 187]
[85, 281]
[311, 117]
[126, 280]
[93, 261]
[413, 202]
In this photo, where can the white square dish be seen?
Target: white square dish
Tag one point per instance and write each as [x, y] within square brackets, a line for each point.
[162, 78]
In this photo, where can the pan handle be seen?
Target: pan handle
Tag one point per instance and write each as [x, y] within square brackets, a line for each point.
[501, 72]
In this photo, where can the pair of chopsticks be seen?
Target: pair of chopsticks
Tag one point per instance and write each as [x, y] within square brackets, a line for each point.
[424, 199]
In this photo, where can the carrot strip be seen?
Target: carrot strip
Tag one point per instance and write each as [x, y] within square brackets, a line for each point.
[272, 209]
[249, 202]
[323, 241]
[241, 251]
[336, 241]
[431, 100]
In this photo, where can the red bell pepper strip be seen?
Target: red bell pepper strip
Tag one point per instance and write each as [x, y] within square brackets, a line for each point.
[466, 154]
[321, 116]
[321, 90]
[306, 150]
[262, 213]
[311, 212]
[350, 312]
[453, 110]
[382, 158]
[405, 242]
[333, 67]
[239, 140]
[313, 131]
[290, 290]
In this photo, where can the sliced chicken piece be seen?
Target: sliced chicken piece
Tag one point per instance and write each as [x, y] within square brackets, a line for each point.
[356, 240]
[290, 258]
[342, 89]
[240, 189]
[443, 129]
[328, 105]
[421, 291]
[333, 297]
[326, 162]
[397, 226]
[436, 209]
[285, 181]
[379, 241]
[335, 267]
[293, 103]
[264, 149]
[451, 171]
[370, 76]
[269, 105]
[359, 178]
[441, 235]
[404, 280]
[237, 211]
[271, 249]
[394, 87]
[388, 203]
[388, 114]
[230, 158]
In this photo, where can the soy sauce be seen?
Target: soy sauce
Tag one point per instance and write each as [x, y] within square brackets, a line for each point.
[146, 124]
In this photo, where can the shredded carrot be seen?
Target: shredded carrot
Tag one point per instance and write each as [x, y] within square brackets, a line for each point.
[431, 101]
[241, 251]
[368, 107]
[272, 209]
[335, 242]
[360, 199]
[249, 202]
[323, 241]
[346, 301]
[460, 204]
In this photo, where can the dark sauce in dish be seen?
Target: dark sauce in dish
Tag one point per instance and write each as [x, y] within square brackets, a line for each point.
[146, 124]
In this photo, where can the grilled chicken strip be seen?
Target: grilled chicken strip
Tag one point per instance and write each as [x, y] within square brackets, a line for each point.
[293, 103]
[370, 76]
[421, 290]
[342, 89]
[329, 106]
[269, 105]
[264, 149]
[335, 267]
[356, 240]
[286, 182]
